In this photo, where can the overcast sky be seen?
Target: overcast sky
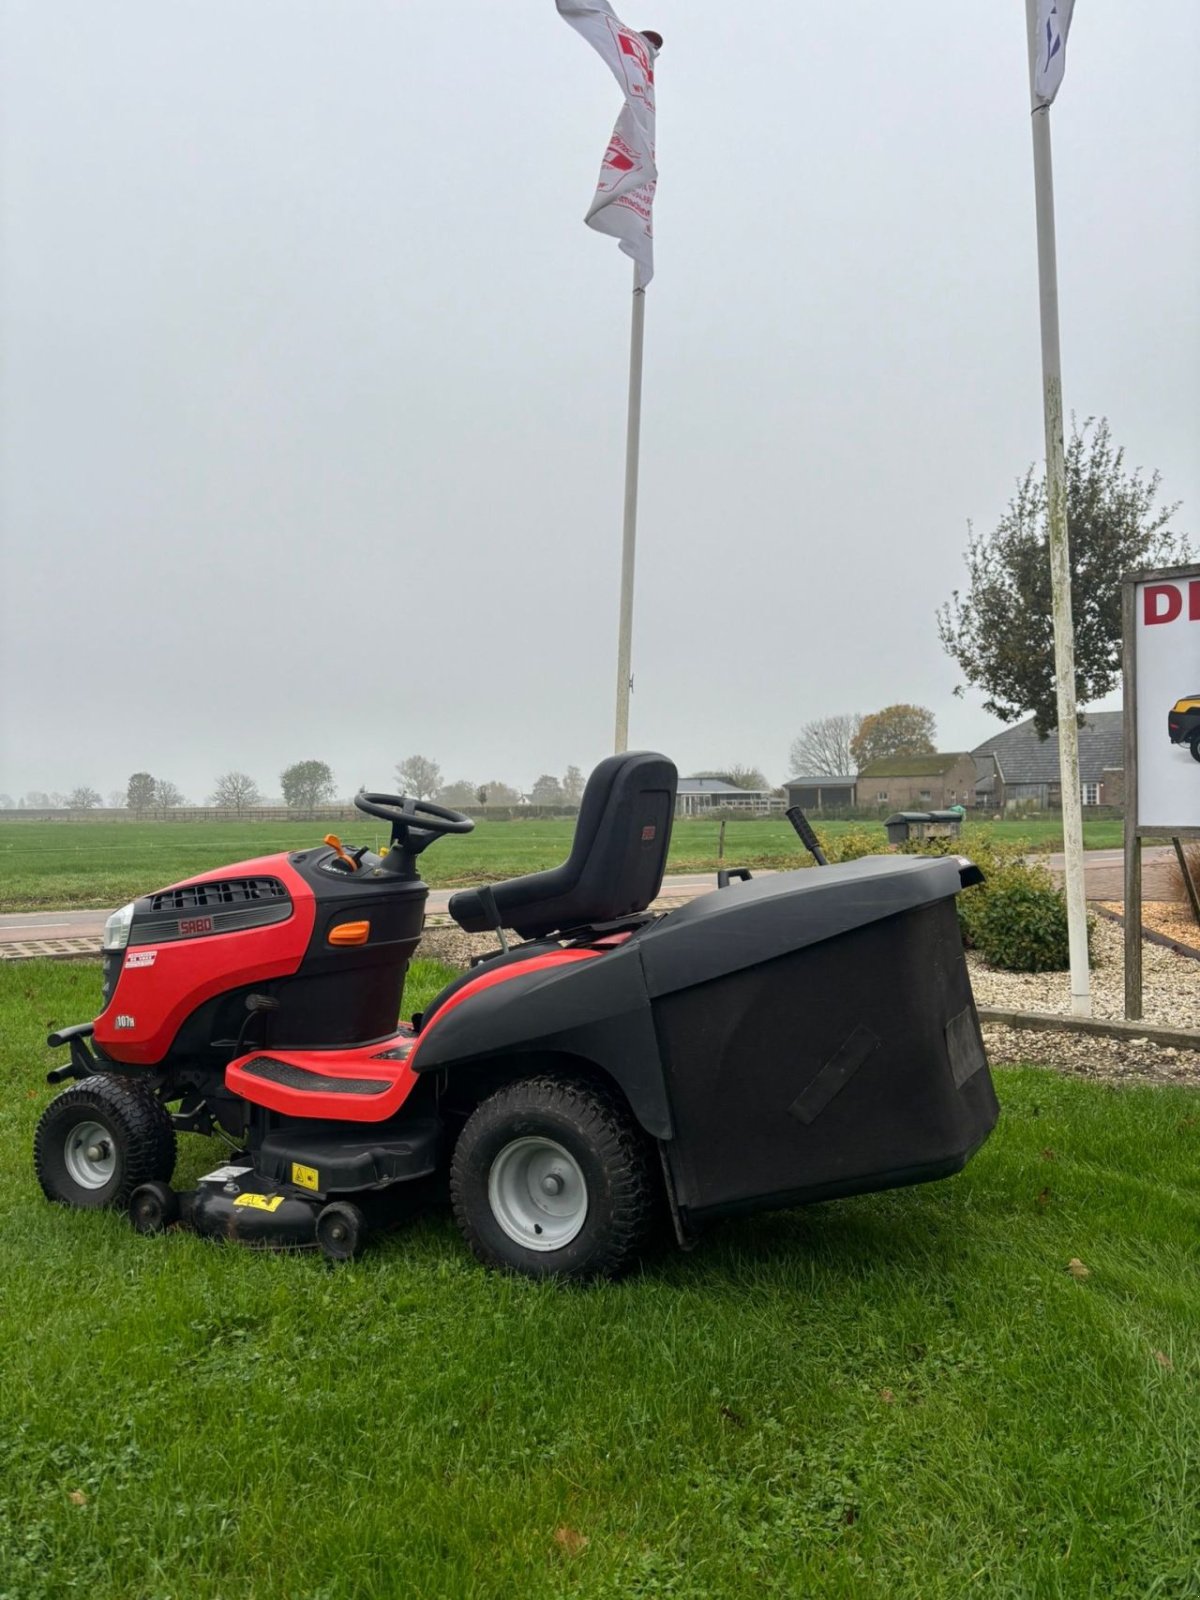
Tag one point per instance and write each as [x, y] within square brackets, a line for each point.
[314, 381]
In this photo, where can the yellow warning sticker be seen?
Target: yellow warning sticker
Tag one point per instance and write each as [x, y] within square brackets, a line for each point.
[260, 1202]
[305, 1177]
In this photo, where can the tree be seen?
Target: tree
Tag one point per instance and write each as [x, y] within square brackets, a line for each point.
[307, 784]
[167, 795]
[237, 791]
[419, 777]
[461, 792]
[6, 802]
[572, 786]
[1001, 632]
[37, 800]
[498, 794]
[739, 777]
[139, 795]
[83, 799]
[900, 730]
[745, 778]
[822, 748]
[117, 798]
[547, 791]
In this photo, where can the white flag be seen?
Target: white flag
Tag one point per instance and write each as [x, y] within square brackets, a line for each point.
[1053, 25]
[624, 198]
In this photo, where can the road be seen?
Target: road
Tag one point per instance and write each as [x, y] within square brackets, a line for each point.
[61, 927]
[1104, 873]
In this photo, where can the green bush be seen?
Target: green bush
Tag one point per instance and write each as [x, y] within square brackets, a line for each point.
[851, 846]
[1017, 917]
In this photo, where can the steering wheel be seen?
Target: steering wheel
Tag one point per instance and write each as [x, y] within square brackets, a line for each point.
[410, 817]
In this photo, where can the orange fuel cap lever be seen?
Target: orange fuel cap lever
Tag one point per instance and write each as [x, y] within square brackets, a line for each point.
[350, 933]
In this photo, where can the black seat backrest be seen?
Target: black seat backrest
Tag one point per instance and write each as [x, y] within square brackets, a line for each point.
[617, 857]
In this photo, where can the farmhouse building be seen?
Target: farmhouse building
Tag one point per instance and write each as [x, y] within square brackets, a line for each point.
[697, 797]
[1018, 768]
[919, 783]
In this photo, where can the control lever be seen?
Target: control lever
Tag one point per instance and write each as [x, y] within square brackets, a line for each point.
[807, 837]
[487, 902]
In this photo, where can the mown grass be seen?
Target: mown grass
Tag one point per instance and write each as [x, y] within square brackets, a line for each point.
[904, 1395]
[103, 864]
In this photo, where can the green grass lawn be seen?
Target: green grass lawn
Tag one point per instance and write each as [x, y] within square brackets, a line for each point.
[106, 863]
[904, 1395]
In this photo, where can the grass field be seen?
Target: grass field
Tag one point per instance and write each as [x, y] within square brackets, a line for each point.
[904, 1396]
[106, 863]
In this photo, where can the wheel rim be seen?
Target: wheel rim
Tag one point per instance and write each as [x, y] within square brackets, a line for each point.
[90, 1155]
[538, 1193]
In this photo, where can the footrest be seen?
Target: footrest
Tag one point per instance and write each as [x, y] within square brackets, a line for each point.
[366, 1083]
[308, 1081]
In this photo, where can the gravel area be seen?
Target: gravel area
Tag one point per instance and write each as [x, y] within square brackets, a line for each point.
[1171, 988]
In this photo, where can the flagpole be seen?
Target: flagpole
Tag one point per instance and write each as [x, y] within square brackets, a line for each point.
[1060, 559]
[633, 433]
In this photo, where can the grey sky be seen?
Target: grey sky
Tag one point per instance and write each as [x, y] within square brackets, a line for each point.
[313, 389]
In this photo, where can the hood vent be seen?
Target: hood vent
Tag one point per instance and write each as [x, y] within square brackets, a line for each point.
[210, 896]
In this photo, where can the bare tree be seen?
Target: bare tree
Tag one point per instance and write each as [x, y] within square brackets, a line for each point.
[822, 748]
[235, 790]
[572, 786]
[419, 777]
[117, 798]
[167, 795]
[83, 798]
[6, 802]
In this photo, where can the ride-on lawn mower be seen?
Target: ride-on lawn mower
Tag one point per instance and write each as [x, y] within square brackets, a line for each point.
[784, 1039]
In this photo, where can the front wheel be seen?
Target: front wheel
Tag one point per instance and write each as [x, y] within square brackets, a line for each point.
[552, 1178]
[1194, 745]
[99, 1141]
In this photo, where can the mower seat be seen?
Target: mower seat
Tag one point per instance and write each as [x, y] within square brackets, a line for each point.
[617, 857]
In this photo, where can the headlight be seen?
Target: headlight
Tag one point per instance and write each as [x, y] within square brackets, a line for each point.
[116, 929]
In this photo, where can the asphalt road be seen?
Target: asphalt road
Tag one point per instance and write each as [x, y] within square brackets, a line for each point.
[18, 927]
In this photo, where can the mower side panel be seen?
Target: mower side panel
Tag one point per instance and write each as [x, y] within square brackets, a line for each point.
[594, 1009]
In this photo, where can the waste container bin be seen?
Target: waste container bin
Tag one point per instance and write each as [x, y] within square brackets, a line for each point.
[920, 825]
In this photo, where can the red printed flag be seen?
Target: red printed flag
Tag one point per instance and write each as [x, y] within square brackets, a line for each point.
[624, 198]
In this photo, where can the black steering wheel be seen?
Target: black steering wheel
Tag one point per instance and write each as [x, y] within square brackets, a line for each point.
[415, 823]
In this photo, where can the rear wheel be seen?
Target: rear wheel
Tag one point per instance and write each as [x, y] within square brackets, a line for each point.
[97, 1142]
[552, 1178]
[1194, 745]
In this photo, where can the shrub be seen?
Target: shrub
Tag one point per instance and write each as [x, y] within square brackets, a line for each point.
[851, 846]
[1017, 917]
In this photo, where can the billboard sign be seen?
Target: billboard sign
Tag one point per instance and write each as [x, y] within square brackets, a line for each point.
[1164, 655]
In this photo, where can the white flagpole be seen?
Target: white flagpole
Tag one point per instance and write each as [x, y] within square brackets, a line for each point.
[1060, 563]
[633, 434]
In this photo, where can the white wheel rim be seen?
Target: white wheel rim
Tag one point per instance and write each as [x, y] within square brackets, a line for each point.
[538, 1194]
[90, 1155]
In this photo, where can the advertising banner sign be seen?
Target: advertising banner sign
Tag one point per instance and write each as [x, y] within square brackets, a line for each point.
[1166, 644]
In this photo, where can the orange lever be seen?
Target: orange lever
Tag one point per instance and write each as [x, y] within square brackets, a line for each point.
[335, 844]
[348, 933]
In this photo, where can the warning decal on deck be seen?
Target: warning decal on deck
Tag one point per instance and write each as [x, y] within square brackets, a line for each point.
[260, 1202]
[305, 1177]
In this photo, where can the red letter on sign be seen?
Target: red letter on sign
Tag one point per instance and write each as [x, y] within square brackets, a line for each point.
[1194, 600]
[1167, 613]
